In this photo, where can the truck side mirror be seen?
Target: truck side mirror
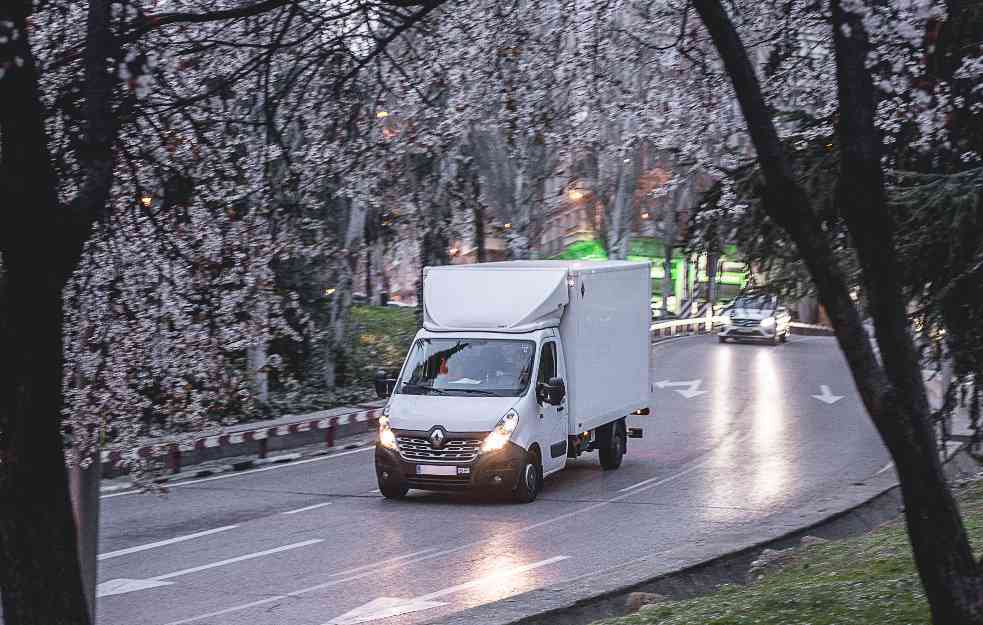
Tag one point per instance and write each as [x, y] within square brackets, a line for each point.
[556, 390]
[384, 384]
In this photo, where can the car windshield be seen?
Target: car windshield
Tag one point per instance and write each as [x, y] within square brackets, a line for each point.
[756, 302]
[479, 367]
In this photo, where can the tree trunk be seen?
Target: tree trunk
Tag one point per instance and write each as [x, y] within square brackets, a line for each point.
[894, 395]
[84, 485]
[518, 234]
[256, 361]
[368, 275]
[478, 219]
[433, 252]
[687, 289]
[713, 259]
[949, 573]
[40, 578]
[667, 281]
[619, 231]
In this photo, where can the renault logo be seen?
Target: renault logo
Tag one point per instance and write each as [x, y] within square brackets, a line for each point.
[437, 437]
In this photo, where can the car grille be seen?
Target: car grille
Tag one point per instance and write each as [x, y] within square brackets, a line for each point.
[420, 450]
[746, 323]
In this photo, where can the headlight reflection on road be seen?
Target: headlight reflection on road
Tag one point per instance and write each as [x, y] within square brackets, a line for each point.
[723, 398]
[502, 580]
[771, 456]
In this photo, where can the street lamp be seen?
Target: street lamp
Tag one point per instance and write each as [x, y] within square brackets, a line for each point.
[146, 200]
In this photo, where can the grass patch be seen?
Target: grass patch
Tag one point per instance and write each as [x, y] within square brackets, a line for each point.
[866, 580]
[381, 336]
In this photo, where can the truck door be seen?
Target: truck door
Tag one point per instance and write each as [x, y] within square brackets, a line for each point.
[553, 419]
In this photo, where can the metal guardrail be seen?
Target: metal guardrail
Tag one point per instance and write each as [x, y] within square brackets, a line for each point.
[705, 325]
[693, 325]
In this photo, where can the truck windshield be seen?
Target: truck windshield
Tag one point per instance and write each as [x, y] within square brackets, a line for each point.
[479, 367]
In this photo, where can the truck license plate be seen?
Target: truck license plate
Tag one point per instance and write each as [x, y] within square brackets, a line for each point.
[432, 469]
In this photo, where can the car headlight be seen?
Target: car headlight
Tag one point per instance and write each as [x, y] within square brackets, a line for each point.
[768, 322]
[386, 436]
[500, 434]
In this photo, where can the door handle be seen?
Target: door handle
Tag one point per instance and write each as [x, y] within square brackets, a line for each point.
[559, 408]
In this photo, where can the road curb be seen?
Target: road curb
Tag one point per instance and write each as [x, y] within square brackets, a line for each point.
[600, 596]
[320, 427]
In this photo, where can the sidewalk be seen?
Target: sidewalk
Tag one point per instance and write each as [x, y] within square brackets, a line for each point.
[255, 438]
[958, 423]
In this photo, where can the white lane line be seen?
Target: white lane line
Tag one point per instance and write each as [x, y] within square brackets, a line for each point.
[161, 543]
[248, 556]
[375, 565]
[126, 585]
[306, 508]
[886, 467]
[225, 476]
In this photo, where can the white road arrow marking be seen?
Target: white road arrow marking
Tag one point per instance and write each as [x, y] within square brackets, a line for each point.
[124, 585]
[689, 393]
[385, 607]
[826, 396]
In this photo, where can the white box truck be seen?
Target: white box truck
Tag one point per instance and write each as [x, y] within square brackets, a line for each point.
[519, 366]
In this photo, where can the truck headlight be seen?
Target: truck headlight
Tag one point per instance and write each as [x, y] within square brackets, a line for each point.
[500, 434]
[386, 437]
[768, 322]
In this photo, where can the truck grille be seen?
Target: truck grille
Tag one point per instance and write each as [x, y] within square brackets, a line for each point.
[746, 323]
[420, 450]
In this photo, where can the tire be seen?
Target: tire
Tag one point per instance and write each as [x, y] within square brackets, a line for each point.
[722, 339]
[530, 480]
[612, 449]
[393, 490]
[775, 340]
[785, 336]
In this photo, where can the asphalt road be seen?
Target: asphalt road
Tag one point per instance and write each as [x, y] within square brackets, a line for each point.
[745, 453]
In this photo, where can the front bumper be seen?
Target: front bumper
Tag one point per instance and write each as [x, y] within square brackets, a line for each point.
[497, 469]
[748, 332]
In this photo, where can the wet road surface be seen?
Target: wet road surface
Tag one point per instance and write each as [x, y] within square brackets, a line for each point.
[743, 441]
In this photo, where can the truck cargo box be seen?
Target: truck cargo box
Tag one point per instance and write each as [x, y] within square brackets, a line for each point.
[601, 310]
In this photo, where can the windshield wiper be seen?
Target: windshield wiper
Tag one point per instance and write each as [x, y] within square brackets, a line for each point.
[475, 391]
[424, 387]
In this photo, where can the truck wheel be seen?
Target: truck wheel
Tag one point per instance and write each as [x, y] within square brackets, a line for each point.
[393, 489]
[530, 480]
[612, 449]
